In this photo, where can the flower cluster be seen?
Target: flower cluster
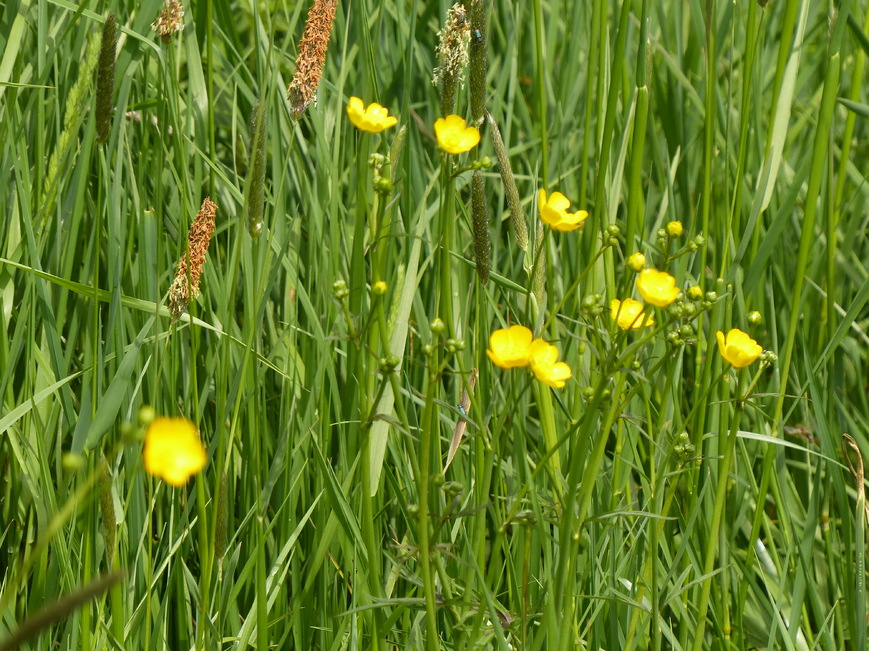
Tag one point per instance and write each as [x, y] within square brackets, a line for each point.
[515, 347]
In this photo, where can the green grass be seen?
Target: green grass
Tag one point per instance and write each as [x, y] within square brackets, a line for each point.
[660, 500]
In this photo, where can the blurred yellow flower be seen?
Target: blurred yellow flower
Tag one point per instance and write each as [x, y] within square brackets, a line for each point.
[675, 229]
[695, 292]
[173, 450]
[657, 287]
[509, 347]
[454, 136]
[636, 262]
[553, 211]
[372, 119]
[629, 314]
[738, 348]
[543, 356]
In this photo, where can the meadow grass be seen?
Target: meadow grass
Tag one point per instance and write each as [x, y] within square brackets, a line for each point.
[661, 499]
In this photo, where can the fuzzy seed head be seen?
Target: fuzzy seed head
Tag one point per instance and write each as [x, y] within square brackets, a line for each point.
[170, 21]
[312, 55]
[185, 287]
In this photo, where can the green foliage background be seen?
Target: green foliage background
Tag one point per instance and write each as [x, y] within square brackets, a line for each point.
[747, 124]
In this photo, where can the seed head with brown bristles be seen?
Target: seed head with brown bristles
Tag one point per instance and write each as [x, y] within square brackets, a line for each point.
[181, 293]
[312, 55]
[170, 20]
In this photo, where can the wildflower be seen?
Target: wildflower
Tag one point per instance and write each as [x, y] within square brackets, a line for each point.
[170, 20]
[553, 211]
[695, 292]
[629, 314]
[738, 348]
[454, 136]
[657, 287]
[379, 288]
[312, 55]
[675, 229]
[173, 450]
[509, 347]
[181, 293]
[636, 262]
[542, 357]
[372, 119]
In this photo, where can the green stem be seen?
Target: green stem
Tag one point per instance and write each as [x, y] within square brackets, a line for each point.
[717, 511]
[428, 427]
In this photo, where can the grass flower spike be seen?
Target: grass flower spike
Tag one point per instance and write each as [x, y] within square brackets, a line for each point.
[510, 347]
[657, 287]
[553, 211]
[629, 314]
[312, 55]
[173, 451]
[170, 21]
[543, 357]
[372, 119]
[184, 288]
[738, 348]
[454, 136]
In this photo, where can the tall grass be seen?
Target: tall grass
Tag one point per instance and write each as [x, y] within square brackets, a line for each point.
[661, 499]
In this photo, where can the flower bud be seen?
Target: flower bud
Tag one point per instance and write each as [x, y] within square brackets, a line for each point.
[755, 318]
[379, 288]
[700, 240]
[72, 462]
[339, 289]
[613, 230]
[695, 293]
[675, 229]
[438, 326]
[382, 185]
[146, 414]
[636, 262]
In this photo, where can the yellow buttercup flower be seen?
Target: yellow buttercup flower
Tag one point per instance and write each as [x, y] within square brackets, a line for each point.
[553, 211]
[173, 450]
[657, 287]
[695, 292]
[675, 229]
[372, 119]
[636, 262]
[629, 314]
[509, 347]
[738, 348]
[454, 136]
[543, 357]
